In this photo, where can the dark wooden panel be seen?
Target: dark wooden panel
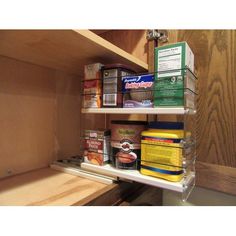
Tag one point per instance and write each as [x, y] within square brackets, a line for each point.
[221, 178]
[151, 59]
[145, 196]
[125, 194]
[216, 109]
[100, 31]
[216, 119]
[113, 195]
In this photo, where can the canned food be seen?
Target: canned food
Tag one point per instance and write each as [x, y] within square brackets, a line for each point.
[126, 143]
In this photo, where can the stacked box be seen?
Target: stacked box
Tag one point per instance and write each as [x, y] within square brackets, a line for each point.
[97, 146]
[174, 78]
[112, 84]
[92, 86]
[92, 71]
[92, 93]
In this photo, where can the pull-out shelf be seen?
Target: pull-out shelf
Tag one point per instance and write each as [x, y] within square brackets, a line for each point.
[136, 176]
[161, 110]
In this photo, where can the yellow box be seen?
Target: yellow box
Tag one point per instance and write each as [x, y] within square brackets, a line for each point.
[162, 154]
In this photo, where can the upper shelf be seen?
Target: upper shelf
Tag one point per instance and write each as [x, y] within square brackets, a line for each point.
[66, 50]
[159, 110]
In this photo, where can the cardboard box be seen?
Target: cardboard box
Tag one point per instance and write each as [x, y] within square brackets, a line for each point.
[171, 58]
[138, 91]
[92, 71]
[92, 90]
[174, 65]
[112, 75]
[97, 146]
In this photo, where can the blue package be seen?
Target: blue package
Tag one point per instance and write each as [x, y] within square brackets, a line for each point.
[166, 125]
[138, 91]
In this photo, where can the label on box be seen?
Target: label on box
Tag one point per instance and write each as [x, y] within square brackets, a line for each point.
[91, 101]
[110, 87]
[169, 91]
[96, 146]
[92, 94]
[138, 91]
[92, 87]
[92, 71]
[169, 59]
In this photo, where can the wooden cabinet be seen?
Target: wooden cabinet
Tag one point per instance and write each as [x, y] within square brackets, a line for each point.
[40, 102]
[41, 72]
[40, 99]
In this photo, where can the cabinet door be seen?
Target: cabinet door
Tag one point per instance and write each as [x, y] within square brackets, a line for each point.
[216, 118]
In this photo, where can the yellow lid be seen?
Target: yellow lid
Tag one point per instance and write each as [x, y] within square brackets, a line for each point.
[165, 133]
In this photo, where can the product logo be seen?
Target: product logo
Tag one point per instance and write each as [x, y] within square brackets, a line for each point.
[173, 80]
[138, 85]
[136, 82]
[93, 144]
[93, 135]
[126, 145]
[179, 78]
[126, 132]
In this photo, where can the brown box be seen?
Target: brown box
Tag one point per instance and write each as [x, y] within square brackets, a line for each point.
[92, 71]
[92, 93]
[97, 146]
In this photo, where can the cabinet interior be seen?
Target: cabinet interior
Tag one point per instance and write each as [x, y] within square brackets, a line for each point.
[40, 119]
[40, 98]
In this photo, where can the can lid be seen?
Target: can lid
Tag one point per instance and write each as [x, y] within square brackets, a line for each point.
[128, 122]
[166, 125]
[118, 65]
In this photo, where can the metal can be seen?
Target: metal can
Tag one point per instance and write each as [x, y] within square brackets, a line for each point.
[126, 143]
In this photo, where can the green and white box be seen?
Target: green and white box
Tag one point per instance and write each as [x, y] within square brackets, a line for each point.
[174, 64]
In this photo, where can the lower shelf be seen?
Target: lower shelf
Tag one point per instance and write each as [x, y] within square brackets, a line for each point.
[136, 176]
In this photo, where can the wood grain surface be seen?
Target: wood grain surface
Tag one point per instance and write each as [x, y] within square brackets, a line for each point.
[65, 50]
[215, 53]
[68, 116]
[40, 116]
[217, 177]
[41, 119]
[131, 41]
[46, 187]
[27, 120]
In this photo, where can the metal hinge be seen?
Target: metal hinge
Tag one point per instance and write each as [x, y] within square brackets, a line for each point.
[160, 35]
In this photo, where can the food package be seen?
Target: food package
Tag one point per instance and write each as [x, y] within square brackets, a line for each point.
[125, 143]
[112, 84]
[92, 94]
[92, 71]
[97, 146]
[138, 91]
[162, 150]
[174, 67]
